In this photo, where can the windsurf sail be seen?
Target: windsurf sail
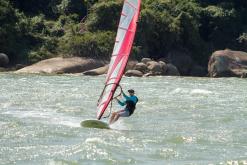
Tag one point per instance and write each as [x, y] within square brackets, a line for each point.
[123, 44]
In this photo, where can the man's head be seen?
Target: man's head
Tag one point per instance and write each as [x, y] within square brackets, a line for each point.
[131, 92]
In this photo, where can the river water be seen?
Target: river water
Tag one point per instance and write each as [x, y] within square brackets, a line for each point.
[178, 120]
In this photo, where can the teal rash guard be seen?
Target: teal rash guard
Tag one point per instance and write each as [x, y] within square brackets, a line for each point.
[127, 98]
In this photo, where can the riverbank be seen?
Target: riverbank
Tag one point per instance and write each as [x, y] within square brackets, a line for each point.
[222, 63]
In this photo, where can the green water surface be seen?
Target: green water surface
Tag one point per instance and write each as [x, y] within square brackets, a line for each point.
[177, 121]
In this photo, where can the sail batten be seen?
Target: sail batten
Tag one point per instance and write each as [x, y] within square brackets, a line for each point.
[131, 5]
[123, 43]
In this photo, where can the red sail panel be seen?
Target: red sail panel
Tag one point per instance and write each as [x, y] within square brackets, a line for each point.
[123, 44]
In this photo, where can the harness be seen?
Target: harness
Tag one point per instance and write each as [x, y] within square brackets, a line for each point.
[131, 106]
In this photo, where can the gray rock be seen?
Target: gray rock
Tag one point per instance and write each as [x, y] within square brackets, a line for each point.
[19, 66]
[4, 60]
[154, 67]
[97, 71]
[131, 65]
[141, 67]
[146, 60]
[61, 65]
[134, 73]
[228, 63]
[163, 67]
[172, 70]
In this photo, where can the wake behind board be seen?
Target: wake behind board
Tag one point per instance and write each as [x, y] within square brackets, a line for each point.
[95, 124]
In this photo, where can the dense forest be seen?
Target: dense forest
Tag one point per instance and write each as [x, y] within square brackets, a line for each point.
[33, 30]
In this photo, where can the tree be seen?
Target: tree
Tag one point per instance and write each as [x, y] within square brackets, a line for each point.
[37, 7]
[10, 31]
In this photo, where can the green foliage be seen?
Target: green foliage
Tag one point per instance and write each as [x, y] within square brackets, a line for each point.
[45, 48]
[199, 27]
[38, 55]
[167, 25]
[157, 30]
[105, 16]
[33, 30]
[94, 45]
[37, 7]
[38, 24]
[12, 32]
[68, 7]
[31, 38]
[242, 40]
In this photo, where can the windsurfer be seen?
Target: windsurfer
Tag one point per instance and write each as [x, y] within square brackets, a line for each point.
[129, 103]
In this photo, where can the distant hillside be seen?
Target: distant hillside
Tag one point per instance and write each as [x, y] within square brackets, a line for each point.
[33, 30]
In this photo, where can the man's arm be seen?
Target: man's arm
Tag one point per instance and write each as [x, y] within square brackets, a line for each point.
[120, 102]
[126, 97]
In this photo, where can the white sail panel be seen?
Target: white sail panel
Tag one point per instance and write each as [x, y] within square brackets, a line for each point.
[133, 2]
[119, 41]
[126, 19]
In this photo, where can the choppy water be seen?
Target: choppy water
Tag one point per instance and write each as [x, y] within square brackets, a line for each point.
[178, 121]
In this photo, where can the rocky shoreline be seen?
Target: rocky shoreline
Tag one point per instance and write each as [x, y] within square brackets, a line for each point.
[222, 63]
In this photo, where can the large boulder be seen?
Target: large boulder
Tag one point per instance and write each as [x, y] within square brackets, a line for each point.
[172, 70]
[131, 65]
[146, 60]
[181, 60]
[61, 65]
[228, 63]
[141, 67]
[163, 67]
[134, 73]
[97, 71]
[19, 66]
[154, 67]
[4, 60]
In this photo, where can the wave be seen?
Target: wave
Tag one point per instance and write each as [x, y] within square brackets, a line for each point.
[46, 117]
[191, 91]
[200, 91]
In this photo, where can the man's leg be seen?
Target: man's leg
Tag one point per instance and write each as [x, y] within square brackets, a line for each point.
[112, 117]
[115, 116]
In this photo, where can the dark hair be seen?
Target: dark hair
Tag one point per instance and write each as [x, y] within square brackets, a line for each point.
[131, 91]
